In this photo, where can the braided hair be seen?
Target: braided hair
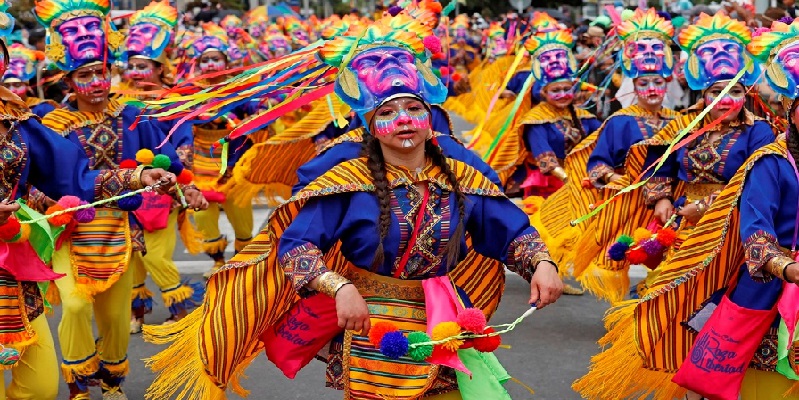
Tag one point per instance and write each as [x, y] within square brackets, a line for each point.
[575, 120]
[376, 163]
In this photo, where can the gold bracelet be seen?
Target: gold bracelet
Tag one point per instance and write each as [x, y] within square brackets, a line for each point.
[135, 179]
[777, 265]
[560, 173]
[330, 282]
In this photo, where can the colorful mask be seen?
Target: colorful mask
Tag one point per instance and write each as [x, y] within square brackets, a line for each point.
[650, 89]
[295, 29]
[497, 46]
[211, 63]
[257, 19]
[77, 32]
[18, 88]
[151, 31]
[390, 60]
[6, 27]
[459, 31]
[646, 38]
[231, 24]
[716, 48]
[551, 57]
[21, 65]
[277, 44]
[388, 124]
[214, 39]
[778, 49]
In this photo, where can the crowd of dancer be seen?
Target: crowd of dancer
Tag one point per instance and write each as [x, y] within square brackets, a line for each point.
[657, 141]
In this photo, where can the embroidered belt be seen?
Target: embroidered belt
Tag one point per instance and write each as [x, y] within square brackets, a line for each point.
[373, 285]
[698, 191]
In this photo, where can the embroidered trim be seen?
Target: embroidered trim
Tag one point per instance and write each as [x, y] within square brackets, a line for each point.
[760, 248]
[524, 254]
[547, 162]
[63, 120]
[303, 264]
[657, 189]
[112, 182]
[596, 175]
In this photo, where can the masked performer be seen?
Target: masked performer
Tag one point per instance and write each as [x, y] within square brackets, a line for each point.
[96, 255]
[148, 70]
[22, 66]
[403, 177]
[730, 290]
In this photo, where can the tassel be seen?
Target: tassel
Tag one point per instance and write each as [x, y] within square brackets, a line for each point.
[83, 369]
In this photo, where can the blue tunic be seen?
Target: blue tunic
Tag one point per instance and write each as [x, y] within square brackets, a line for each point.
[550, 137]
[516, 83]
[42, 109]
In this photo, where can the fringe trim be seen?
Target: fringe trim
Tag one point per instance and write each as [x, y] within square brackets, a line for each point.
[117, 370]
[52, 296]
[608, 285]
[180, 371]
[793, 391]
[240, 244]
[177, 295]
[191, 237]
[215, 247]
[619, 372]
[140, 293]
[85, 369]
[88, 287]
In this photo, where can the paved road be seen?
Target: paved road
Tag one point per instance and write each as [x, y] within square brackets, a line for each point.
[548, 351]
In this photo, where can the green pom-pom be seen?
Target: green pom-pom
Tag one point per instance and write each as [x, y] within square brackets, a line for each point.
[437, 72]
[419, 353]
[626, 239]
[162, 161]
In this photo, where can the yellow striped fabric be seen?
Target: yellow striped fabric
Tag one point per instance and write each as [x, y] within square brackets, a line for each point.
[63, 121]
[647, 342]
[207, 164]
[212, 346]
[100, 251]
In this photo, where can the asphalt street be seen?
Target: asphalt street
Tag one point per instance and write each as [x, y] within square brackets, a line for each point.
[548, 351]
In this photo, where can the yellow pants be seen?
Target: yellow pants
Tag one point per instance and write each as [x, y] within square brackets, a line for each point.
[762, 385]
[35, 377]
[240, 218]
[111, 309]
[158, 263]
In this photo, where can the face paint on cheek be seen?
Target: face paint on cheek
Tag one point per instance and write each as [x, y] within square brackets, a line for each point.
[417, 120]
[18, 90]
[144, 73]
[95, 84]
[212, 66]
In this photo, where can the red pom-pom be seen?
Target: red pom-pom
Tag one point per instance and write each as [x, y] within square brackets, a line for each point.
[637, 255]
[666, 237]
[10, 229]
[185, 177]
[432, 43]
[472, 320]
[487, 344]
[456, 77]
[379, 330]
[58, 220]
[128, 164]
[444, 71]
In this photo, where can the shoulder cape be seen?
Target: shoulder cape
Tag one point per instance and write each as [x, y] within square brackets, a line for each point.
[212, 346]
[647, 341]
[63, 121]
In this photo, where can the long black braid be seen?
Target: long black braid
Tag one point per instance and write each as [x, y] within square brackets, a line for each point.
[575, 120]
[376, 163]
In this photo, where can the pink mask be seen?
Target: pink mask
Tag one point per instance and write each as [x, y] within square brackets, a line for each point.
[3, 64]
[554, 64]
[789, 59]
[135, 72]
[141, 36]
[388, 124]
[383, 69]
[650, 91]
[84, 37]
[720, 57]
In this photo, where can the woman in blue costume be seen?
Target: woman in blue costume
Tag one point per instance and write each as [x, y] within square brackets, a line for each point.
[348, 243]
[36, 156]
[739, 265]
[95, 258]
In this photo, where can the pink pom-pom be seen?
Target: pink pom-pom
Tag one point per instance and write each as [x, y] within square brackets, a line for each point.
[432, 43]
[444, 71]
[472, 319]
[69, 202]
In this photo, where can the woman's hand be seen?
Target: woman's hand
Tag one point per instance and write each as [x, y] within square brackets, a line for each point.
[150, 177]
[7, 210]
[690, 213]
[353, 314]
[546, 286]
[664, 210]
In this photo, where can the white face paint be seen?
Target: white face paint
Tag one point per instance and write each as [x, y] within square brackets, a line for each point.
[407, 143]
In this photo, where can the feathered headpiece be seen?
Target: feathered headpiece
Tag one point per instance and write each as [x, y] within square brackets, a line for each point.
[230, 20]
[716, 48]
[22, 63]
[495, 40]
[70, 21]
[6, 20]
[459, 29]
[297, 31]
[778, 49]
[257, 19]
[427, 12]
[214, 38]
[646, 51]
[542, 23]
[151, 31]
[389, 59]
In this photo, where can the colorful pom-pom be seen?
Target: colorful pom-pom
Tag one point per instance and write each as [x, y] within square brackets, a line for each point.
[637, 256]
[145, 156]
[641, 234]
[437, 73]
[487, 344]
[130, 203]
[128, 164]
[58, 220]
[472, 320]
[394, 345]
[626, 239]
[9, 356]
[448, 330]
[394, 10]
[432, 43]
[627, 14]
[85, 215]
[9, 230]
[666, 236]
[617, 251]
[652, 247]
[69, 202]
[185, 177]
[419, 353]
[456, 77]
[162, 161]
[379, 330]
